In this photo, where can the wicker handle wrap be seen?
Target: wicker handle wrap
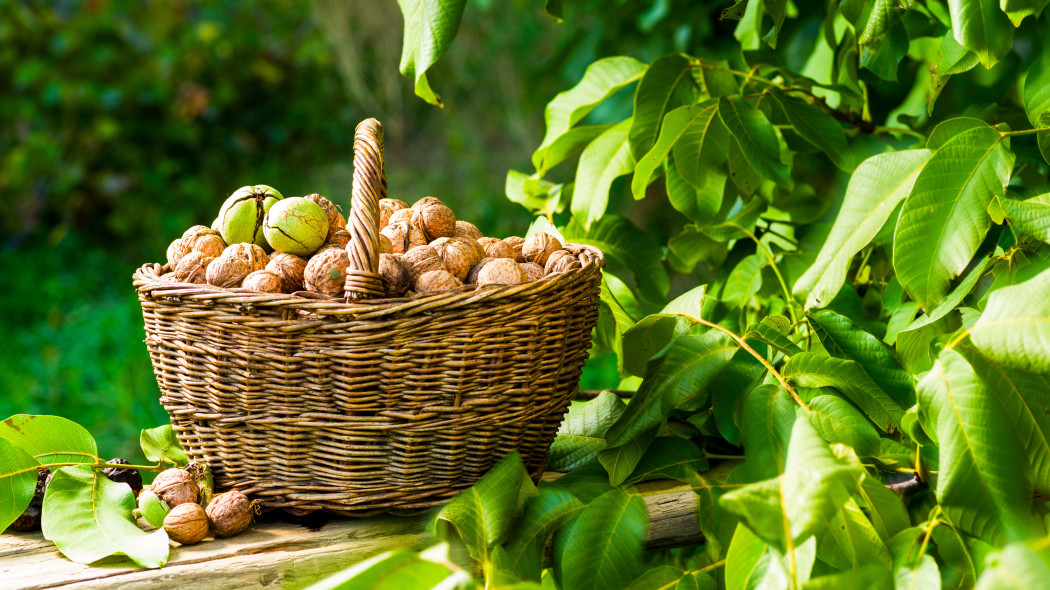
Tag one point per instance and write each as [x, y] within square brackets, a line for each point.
[362, 278]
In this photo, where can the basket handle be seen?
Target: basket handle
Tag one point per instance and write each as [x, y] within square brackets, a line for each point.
[362, 278]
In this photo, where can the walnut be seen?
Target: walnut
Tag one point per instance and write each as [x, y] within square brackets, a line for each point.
[237, 261]
[460, 255]
[496, 248]
[502, 271]
[230, 513]
[533, 271]
[435, 281]
[561, 261]
[467, 229]
[472, 276]
[434, 218]
[289, 268]
[385, 246]
[326, 272]
[404, 236]
[207, 242]
[187, 524]
[516, 243]
[196, 230]
[339, 238]
[422, 259]
[538, 247]
[387, 207]
[175, 486]
[400, 215]
[397, 279]
[176, 250]
[192, 268]
[336, 221]
[263, 281]
[439, 243]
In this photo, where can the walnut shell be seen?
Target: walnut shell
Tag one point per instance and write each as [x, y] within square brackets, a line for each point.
[187, 524]
[561, 261]
[400, 215]
[339, 237]
[387, 207]
[385, 245]
[460, 255]
[467, 229]
[336, 221]
[404, 236]
[538, 247]
[533, 271]
[237, 261]
[176, 250]
[207, 242]
[196, 230]
[426, 201]
[516, 243]
[496, 248]
[230, 513]
[175, 486]
[422, 259]
[263, 281]
[472, 276]
[397, 280]
[326, 272]
[502, 271]
[435, 281]
[435, 219]
[193, 268]
[290, 269]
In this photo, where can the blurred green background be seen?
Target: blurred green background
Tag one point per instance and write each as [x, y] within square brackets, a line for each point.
[124, 123]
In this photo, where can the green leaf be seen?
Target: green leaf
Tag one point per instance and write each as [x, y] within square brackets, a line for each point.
[430, 27]
[1031, 216]
[18, 472]
[161, 444]
[818, 128]
[741, 375]
[544, 514]
[50, 439]
[666, 85]
[844, 339]
[1014, 330]
[920, 575]
[88, 517]
[668, 457]
[870, 577]
[663, 577]
[876, 187]
[945, 219]
[699, 205]
[744, 281]
[849, 540]
[533, 193]
[981, 27]
[582, 433]
[751, 563]
[839, 422]
[773, 330]
[1017, 567]
[766, 419]
[815, 370]
[689, 304]
[1037, 87]
[600, 81]
[603, 546]
[877, 20]
[603, 160]
[755, 136]
[982, 493]
[554, 8]
[620, 460]
[675, 126]
[917, 333]
[485, 514]
[624, 244]
[884, 507]
[400, 569]
[651, 338]
[567, 145]
[701, 151]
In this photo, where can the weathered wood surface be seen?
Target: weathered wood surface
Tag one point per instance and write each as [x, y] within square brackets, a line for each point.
[276, 553]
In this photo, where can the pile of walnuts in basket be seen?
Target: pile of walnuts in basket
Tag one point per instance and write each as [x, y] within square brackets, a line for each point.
[264, 242]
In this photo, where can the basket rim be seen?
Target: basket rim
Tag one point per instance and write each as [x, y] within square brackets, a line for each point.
[149, 285]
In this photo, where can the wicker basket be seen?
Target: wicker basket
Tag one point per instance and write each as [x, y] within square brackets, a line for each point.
[362, 405]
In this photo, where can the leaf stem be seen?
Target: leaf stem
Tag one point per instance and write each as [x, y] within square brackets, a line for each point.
[929, 533]
[717, 456]
[788, 299]
[708, 568]
[97, 464]
[1023, 132]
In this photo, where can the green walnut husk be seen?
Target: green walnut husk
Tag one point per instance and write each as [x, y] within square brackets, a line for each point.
[205, 483]
[241, 216]
[296, 226]
[152, 508]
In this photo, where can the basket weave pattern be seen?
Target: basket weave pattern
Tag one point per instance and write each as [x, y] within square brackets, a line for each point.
[359, 406]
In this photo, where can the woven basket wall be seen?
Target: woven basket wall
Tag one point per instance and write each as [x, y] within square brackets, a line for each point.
[360, 405]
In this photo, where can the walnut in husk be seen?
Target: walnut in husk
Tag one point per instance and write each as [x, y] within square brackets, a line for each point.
[435, 281]
[533, 271]
[516, 244]
[460, 255]
[132, 477]
[29, 520]
[502, 271]
[175, 486]
[237, 261]
[201, 473]
[396, 278]
[422, 259]
[404, 236]
[326, 272]
[385, 246]
[230, 513]
[561, 261]
[289, 268]
[467, 229]
[186, 524]
[152, 509]
[400, 216]
[538, 247]
[176, 250]
[336, 221]
[193, 268]
[472, 276]
[434, 218]
[339, 237]
[496, 248]
[387, 207]
[263, 281]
